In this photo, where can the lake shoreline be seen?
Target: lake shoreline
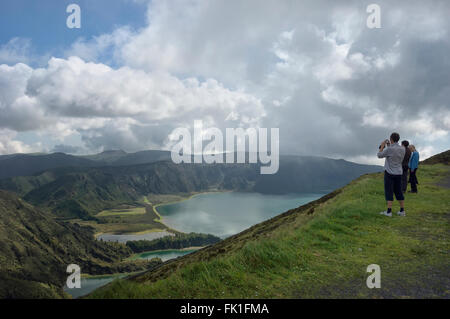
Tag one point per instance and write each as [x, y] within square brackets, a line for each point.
[161, 218]
[153, 230]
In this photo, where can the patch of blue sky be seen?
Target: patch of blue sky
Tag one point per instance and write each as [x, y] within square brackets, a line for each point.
[43, 22]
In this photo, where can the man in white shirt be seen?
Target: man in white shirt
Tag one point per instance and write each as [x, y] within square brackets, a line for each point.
[393, 171]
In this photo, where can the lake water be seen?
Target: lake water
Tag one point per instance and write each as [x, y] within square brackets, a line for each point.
[225, 214]
[125, 238]
[89, 284]
[164, 254]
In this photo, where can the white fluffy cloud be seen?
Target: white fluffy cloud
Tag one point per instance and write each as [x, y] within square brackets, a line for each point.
[312, 68]
[8, 145]
[121, 108]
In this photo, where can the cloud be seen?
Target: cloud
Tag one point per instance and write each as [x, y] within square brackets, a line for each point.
[19, 111]
[8, 145]
[15, 50]
[345, 86]
[116, 108]
[311, 68]
[105, 47]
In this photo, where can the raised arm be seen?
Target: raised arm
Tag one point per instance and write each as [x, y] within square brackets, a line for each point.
[384, 152]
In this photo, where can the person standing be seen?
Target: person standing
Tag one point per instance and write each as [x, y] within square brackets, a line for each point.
[413, 165]
[405, 166]
[393, 154]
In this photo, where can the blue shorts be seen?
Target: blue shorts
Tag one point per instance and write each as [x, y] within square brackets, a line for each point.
[393, 185]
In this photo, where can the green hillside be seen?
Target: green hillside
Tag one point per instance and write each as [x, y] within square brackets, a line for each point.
[443, 157]
[35, 250]
[320, 250]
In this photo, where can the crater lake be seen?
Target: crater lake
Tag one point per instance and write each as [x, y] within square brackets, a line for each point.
[225, 214]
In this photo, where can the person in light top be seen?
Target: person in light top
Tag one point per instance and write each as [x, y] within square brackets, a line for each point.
[393, 171]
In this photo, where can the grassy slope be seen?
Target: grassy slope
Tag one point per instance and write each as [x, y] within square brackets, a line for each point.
[35, 250]
[443, 157]
[320, 250]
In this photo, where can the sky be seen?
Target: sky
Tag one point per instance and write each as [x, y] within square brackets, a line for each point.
[138, 69]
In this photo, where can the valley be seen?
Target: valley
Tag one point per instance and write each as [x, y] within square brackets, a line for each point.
[319, 250]
[115, 198]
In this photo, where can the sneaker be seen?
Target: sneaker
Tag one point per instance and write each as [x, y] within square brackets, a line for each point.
[403, 213]
[385, 213]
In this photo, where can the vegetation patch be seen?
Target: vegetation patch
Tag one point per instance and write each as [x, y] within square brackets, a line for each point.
[179, 241]
[125, 211]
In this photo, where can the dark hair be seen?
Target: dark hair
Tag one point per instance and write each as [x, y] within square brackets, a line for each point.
[405, 143]
[395, 137]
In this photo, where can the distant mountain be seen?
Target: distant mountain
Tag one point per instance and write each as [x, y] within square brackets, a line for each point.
[122, 158]
[106, 157]
[142, 157]
[81, 192]
[29, 164]
[35, 250]
[303, 174]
